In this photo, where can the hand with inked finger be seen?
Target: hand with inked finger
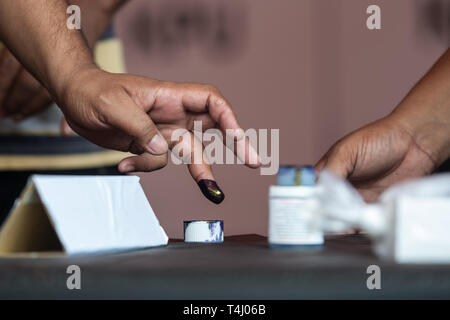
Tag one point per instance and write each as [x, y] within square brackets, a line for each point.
[140, 115]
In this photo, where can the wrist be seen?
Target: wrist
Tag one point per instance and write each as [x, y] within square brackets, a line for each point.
[68, 79]
[428, 131]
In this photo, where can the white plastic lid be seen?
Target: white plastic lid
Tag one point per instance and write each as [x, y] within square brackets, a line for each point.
[203, 231]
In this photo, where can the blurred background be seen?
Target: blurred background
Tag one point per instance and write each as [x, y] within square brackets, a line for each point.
[310, 68]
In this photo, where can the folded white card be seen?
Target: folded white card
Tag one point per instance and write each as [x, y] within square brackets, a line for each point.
[81, 215]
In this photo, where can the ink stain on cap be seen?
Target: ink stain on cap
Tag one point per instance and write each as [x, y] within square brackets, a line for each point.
[204, 231]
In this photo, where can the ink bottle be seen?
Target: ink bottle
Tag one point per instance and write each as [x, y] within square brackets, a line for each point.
[293, 215]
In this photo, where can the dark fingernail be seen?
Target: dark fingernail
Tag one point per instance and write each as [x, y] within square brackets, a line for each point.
[211, 190]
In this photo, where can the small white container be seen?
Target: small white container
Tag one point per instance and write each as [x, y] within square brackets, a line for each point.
[208, 231]
[293, 216]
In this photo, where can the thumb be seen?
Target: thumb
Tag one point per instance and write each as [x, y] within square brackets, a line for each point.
[126, 116]
[339, 161]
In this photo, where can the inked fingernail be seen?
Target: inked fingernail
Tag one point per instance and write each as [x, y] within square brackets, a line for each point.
[158, 145]
[211, 190]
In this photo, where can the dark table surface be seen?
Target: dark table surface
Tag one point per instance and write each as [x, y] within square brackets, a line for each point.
[243, 267]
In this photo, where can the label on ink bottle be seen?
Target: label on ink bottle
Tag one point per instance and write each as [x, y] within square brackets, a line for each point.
[293, 218]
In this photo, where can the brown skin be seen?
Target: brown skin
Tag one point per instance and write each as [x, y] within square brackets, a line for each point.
[21, 95]
[120, 112]
[409, 143]
[377, 156]
[125, 112]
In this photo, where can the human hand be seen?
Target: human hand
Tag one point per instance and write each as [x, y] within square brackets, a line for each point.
[21, 95]
[377, 156]
[139, 115]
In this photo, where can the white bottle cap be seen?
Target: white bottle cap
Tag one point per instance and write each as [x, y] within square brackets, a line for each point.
[203, 231]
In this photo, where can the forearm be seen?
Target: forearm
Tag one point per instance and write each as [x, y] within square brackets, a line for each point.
[425, 112]
[36, 32]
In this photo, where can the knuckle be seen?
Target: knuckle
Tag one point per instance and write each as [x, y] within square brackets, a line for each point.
[220, 102]
[210, 88]
[213, 90]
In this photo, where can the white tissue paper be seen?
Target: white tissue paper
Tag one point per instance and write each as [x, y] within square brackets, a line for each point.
[410, 223]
